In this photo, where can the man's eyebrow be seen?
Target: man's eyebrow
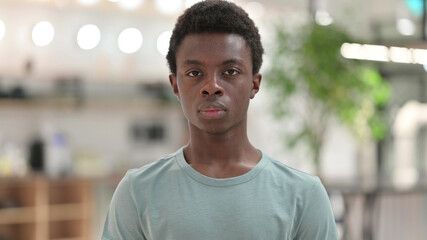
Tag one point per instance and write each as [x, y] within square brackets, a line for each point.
[226, 62]
[192, 62]
[230, 61]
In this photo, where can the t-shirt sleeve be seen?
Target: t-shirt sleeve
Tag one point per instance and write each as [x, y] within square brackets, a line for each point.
[123, 222]
[317, 220]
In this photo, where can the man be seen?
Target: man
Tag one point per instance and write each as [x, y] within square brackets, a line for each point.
[218, 186]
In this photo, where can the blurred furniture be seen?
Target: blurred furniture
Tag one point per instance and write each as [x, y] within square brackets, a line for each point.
[37, 208]
[385, 214]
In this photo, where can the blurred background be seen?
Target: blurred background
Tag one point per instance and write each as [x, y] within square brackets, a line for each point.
[84, 96]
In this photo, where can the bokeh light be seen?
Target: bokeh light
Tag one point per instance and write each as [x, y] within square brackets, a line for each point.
[163, 42]
[130, 40]
[2, 29]
[130, 4]
[88, 2]
[323, 18]
[169, 6]
[88, 37]
[405, 27]
[43, 33]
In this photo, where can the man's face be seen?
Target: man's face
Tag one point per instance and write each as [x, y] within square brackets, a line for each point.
[214, 81]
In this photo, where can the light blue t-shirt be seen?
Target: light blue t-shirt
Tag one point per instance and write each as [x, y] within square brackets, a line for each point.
[168, 199]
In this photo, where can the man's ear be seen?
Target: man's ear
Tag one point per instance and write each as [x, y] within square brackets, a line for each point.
[256, 82]
[174, 85]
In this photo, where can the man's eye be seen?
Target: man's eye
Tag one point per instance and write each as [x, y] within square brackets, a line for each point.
[231, 72]
[194, 73]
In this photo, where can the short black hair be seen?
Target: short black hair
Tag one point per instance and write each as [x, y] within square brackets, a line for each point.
[216, 16]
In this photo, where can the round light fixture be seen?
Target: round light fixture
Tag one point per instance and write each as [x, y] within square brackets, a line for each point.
[130, 40]
[2, 29]
[43, 33]
[169, 6]
[88, 2]
[405, 27]
[130, 4]
[163, 42]
[88, 37]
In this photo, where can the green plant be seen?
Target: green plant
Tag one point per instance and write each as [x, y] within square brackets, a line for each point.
[307, 65]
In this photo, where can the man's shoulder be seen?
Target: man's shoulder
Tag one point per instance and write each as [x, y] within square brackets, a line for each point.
[154, 169]
[289, 175]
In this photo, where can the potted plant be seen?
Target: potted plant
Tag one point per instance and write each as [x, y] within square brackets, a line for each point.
[307, 67]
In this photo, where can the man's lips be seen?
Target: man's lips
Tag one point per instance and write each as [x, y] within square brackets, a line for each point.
[212, 111]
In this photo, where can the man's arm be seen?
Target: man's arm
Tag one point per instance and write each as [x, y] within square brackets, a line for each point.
[123, 222]
[317, 220]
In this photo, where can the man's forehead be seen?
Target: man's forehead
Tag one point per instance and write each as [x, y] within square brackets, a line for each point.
[218, 38]
[225, 46]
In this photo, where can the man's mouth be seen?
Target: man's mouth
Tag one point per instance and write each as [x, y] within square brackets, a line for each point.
[212, 112]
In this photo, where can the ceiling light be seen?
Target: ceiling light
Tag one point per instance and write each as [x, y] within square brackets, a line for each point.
[375, 53]
[130, 40]
[420, 56]
[405, 27]
[2, 29]
[43, 33]
[130, 4]
[351, 50]
[400, 55]
[365, 52]
[88, 37]
[163, 42]
[169, 6]
[88, 2]
[384, 53]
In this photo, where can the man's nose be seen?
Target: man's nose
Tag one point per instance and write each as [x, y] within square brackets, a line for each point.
[212, 86]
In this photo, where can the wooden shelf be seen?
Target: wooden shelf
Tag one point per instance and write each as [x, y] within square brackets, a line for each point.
[71, 103]
[43, 209]
[67, 229]
[18, 231]
[17, 215]
[68, 211]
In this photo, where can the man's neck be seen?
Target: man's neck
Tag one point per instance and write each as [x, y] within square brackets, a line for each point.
[221, 155]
